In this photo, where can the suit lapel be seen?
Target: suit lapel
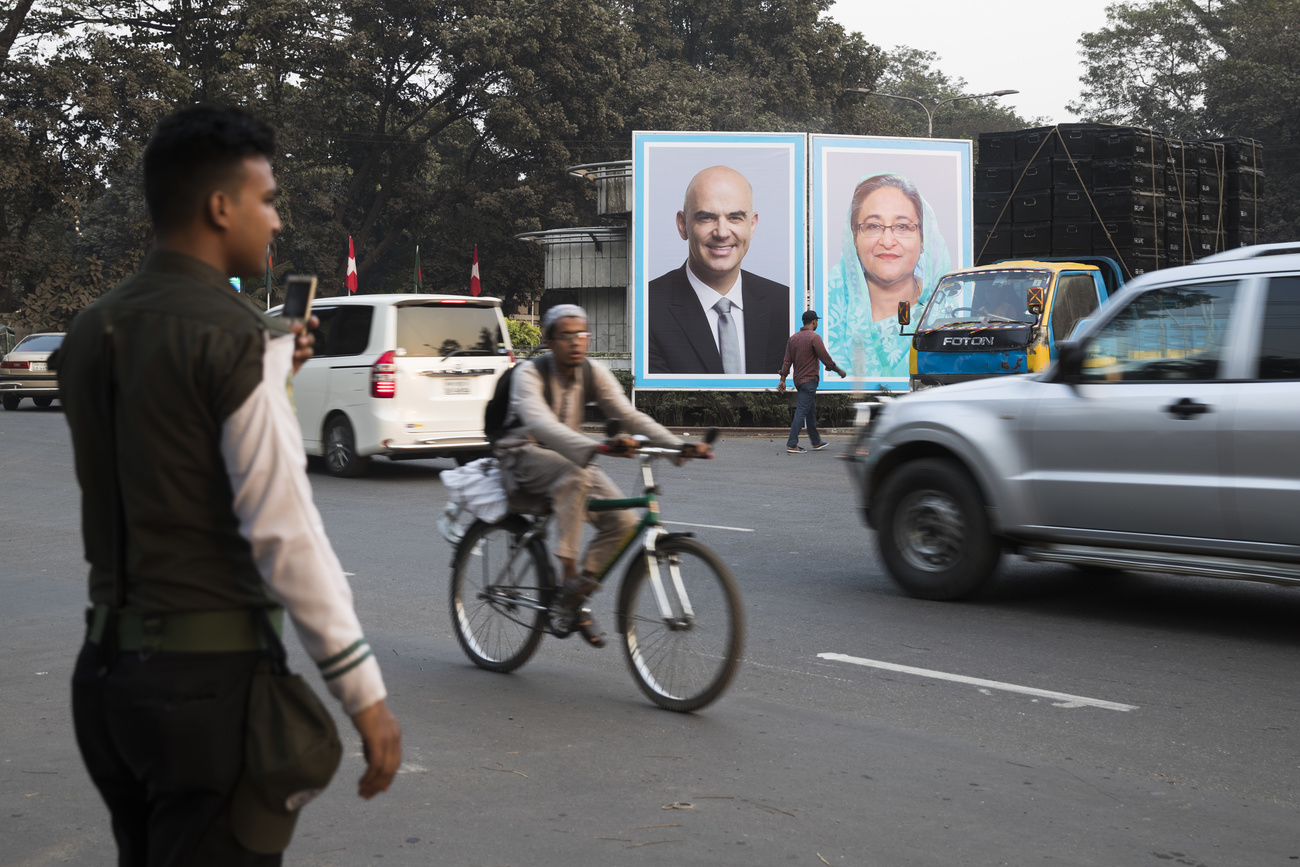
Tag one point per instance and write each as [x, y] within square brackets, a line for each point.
[758, 313]
[690, 317]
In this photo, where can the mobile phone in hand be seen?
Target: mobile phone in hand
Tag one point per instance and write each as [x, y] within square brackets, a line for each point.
[299, 290]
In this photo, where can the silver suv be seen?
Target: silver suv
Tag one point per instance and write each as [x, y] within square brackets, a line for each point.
[1165, 438]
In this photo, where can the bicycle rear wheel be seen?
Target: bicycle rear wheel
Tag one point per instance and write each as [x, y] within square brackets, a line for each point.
[684, 661]
[499, 594]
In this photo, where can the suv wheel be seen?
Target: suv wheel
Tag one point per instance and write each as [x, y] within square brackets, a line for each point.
[43, 402]
[11, 401]
[341, 458]
[934, 533]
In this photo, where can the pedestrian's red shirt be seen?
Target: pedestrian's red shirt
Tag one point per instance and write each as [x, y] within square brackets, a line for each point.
[802, 352]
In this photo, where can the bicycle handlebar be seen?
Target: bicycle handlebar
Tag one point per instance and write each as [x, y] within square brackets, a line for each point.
[655, 451]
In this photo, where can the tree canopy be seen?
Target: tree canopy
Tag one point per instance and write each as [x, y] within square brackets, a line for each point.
[400, 123]
[1206, 69]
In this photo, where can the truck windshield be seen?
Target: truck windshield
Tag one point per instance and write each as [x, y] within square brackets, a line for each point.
[983, 298]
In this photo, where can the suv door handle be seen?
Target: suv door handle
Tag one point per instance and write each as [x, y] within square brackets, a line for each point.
[1186, 408]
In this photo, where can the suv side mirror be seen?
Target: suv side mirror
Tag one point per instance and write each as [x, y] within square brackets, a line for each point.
[904, 313]
[1069, 362]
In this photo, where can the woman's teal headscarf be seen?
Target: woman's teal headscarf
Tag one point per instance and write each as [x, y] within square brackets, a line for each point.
[875, 349]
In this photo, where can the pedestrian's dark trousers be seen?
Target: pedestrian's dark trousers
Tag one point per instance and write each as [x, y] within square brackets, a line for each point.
[805, 410]
[162, 736]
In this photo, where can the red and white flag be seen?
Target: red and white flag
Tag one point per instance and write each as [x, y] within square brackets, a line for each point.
[475, 286]
[351, 277]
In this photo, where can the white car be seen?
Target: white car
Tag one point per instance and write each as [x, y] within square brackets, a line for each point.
[403, 376]
[25, 372]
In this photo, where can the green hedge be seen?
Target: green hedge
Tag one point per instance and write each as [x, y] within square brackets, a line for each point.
[734, 408]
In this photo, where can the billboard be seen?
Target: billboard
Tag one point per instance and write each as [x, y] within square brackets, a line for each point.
[890, 216]
[719, 261]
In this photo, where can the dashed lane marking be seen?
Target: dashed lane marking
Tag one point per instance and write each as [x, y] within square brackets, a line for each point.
[1060, 699]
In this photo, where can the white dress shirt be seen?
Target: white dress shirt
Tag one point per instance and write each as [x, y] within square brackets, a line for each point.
[708, 297]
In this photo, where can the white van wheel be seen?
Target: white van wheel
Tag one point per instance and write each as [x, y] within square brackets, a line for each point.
[341, 458]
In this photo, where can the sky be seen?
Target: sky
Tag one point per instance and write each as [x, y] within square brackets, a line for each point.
[1025, 45]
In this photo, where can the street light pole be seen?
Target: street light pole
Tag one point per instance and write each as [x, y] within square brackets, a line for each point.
[931, 109]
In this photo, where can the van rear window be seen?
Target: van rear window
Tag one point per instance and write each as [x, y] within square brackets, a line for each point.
[443, 329]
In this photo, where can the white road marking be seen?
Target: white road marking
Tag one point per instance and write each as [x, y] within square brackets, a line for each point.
[1062, 699]
[708, 526]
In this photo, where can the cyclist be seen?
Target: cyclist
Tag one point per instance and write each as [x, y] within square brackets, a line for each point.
[544, 452]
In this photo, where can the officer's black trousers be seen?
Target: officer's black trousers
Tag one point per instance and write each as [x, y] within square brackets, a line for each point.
[163, 738]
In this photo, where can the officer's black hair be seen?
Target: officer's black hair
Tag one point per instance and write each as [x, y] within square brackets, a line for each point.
[195, 151]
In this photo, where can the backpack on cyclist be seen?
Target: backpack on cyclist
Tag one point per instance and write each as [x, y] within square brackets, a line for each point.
[495, 424]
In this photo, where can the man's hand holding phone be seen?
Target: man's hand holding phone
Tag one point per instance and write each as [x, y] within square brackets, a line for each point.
[299, 292]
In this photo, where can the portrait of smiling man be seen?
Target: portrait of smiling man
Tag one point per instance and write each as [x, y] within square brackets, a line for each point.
[711, 316]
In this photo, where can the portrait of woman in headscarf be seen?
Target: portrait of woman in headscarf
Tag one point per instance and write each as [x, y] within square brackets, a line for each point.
[891, 251]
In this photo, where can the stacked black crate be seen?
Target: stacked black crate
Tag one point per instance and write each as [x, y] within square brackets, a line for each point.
[1031, 206]
[994, 182]
[1128, 178]
[1071, 177]
[1207, 235]
[1181, 202]
[1242, 189]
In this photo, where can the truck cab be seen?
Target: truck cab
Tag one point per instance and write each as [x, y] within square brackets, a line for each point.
[1005, 318]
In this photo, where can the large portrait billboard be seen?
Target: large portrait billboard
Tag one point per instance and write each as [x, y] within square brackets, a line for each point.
[890, 216]
[719, 268]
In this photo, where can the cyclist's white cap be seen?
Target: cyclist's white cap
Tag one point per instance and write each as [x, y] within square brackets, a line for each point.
[558, 312]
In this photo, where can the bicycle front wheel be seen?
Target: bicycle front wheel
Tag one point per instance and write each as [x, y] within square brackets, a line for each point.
[684, 657]
[500, 589]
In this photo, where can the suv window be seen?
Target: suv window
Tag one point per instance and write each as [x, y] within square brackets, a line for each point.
[1279, 349]
[1076, 297]
[343, 330]
[440, 329]
[1170, 333]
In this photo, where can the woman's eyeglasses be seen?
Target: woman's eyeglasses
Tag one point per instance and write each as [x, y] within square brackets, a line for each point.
[871, 231]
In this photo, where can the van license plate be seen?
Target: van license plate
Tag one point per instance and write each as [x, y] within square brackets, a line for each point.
[38, 367]
[455, 386]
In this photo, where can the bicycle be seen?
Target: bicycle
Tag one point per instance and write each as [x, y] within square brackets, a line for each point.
[682, 637]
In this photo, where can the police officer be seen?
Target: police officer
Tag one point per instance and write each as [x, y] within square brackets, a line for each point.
[191, 466]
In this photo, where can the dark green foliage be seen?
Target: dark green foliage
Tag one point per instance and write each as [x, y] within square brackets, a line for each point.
[1206, 69]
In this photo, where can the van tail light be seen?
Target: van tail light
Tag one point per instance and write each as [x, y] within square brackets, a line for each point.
[16, 365]
[510, 354]
[383, 376]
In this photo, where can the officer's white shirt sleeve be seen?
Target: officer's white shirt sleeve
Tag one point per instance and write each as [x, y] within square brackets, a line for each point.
[262, 448]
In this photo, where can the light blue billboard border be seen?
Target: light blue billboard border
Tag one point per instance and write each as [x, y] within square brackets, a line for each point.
[798, 291]
[818, 145]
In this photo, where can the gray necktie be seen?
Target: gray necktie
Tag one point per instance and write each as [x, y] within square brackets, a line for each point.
[728, 343]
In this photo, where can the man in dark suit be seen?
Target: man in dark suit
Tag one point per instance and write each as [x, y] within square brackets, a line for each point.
[709, 316]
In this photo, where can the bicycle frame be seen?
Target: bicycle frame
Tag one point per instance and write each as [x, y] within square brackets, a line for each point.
[650, 525]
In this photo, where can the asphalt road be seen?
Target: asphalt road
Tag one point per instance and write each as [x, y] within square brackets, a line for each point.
[1163, 730]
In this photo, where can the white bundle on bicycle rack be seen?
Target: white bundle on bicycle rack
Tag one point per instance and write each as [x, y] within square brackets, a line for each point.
[478, 488]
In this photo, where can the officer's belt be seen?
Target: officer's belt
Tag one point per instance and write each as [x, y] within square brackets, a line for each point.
[227, 631]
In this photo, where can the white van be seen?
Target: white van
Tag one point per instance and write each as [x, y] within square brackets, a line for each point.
[403, 376]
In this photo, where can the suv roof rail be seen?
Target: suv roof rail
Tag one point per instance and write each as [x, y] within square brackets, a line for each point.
[1256, 251]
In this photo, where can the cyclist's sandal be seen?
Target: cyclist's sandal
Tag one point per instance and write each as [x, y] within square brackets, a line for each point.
[587, 626]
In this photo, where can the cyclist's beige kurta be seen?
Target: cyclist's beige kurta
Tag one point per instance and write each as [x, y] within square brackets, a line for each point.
[548, 455]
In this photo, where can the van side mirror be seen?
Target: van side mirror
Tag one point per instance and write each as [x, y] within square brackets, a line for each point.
[904, 313]
[1035, 301]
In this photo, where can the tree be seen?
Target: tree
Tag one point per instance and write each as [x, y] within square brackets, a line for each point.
[912, 72]
[1206, 69]
[1149, 62]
